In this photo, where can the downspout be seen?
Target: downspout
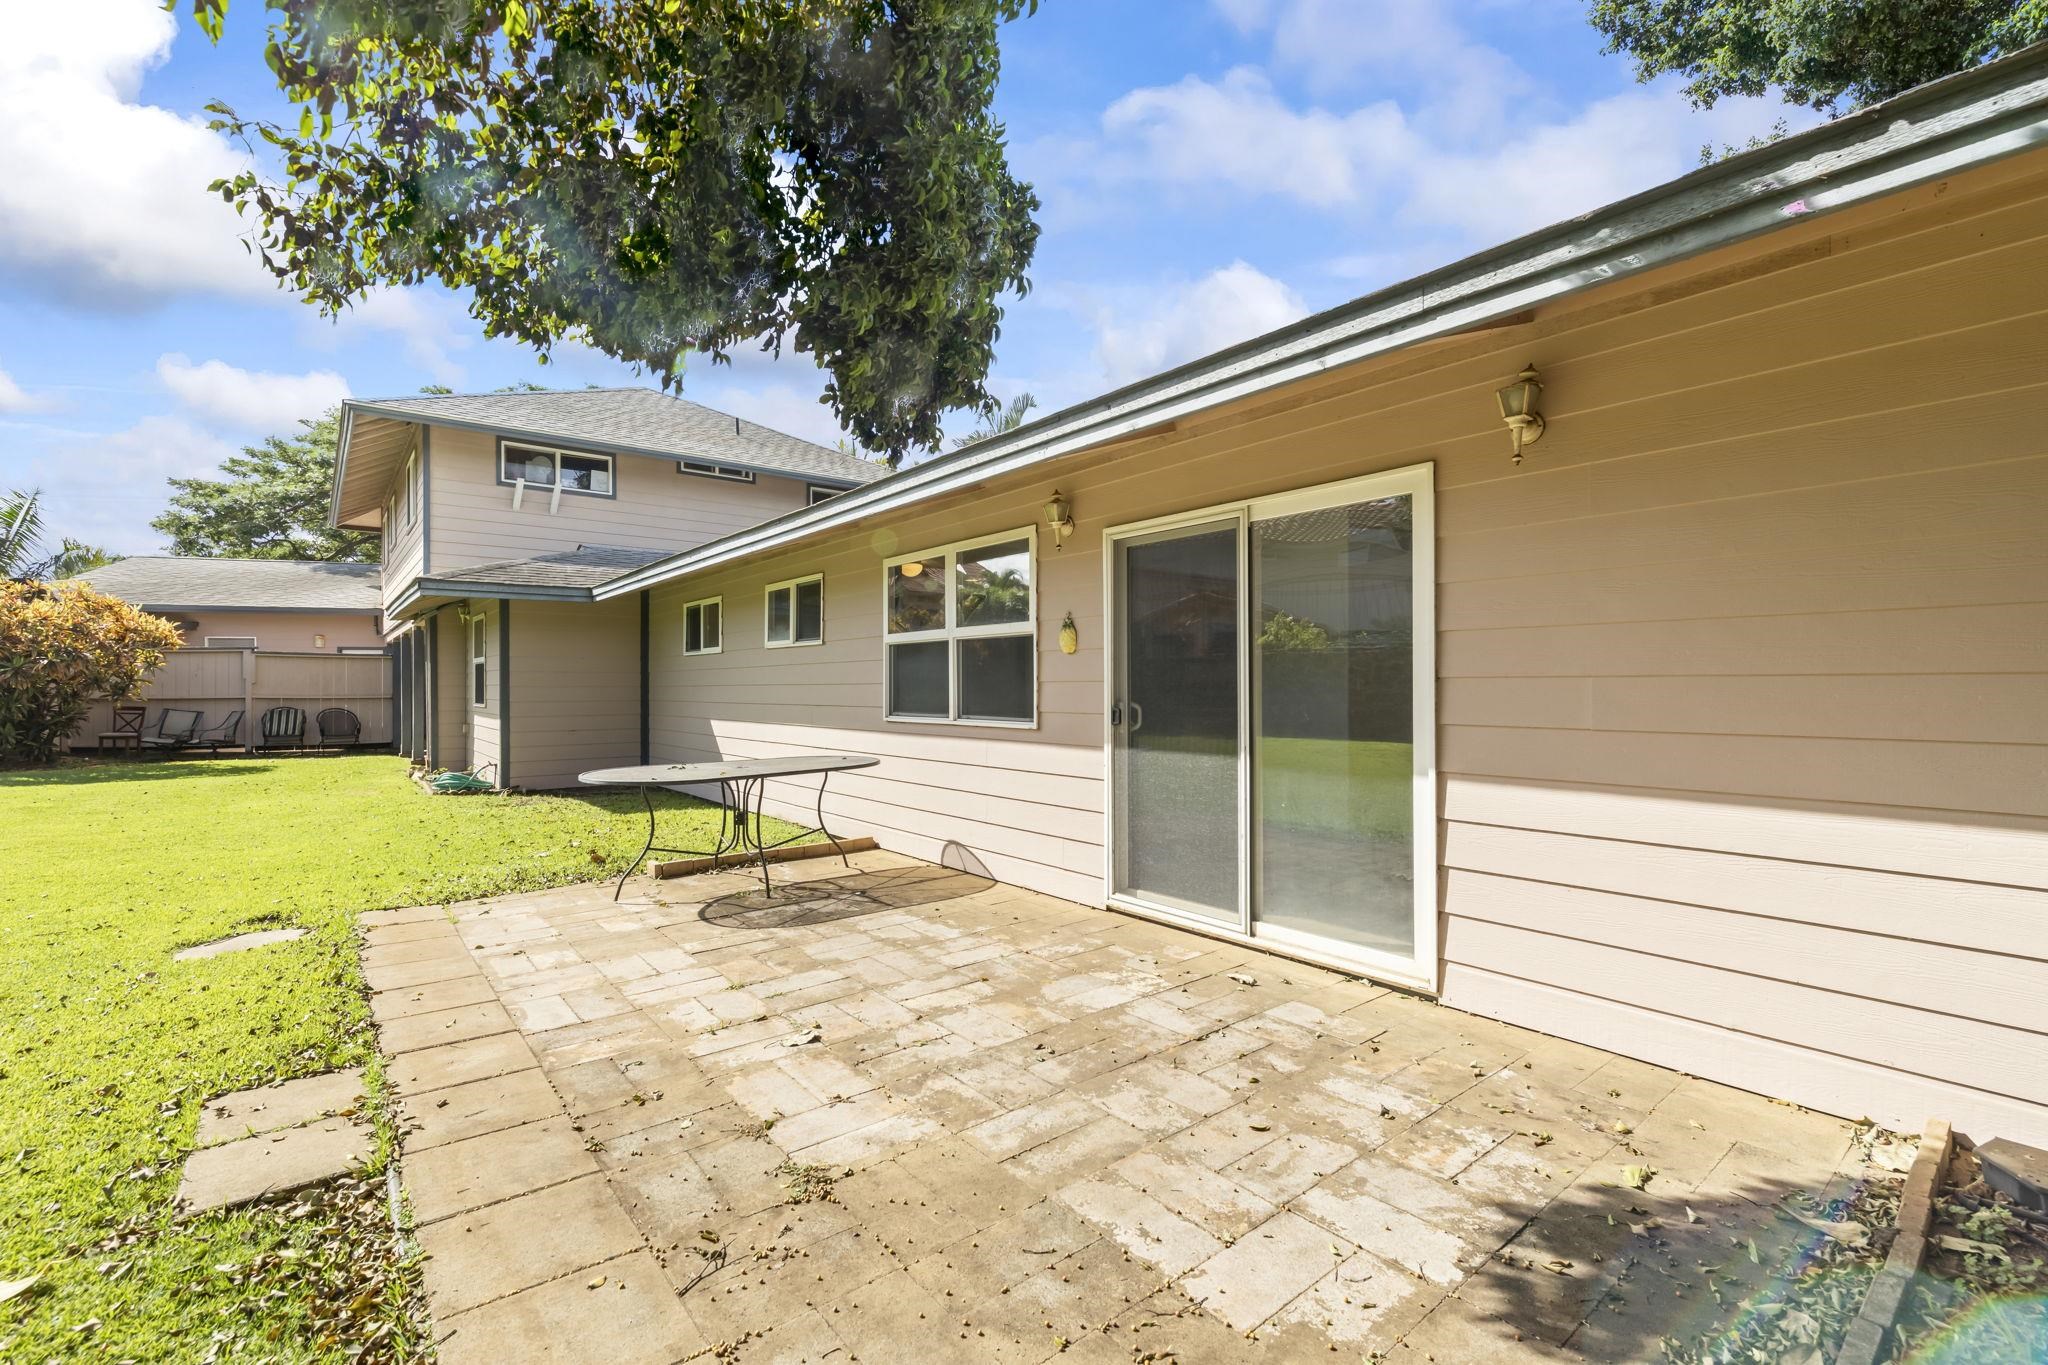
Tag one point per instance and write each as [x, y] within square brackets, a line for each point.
[646, 715]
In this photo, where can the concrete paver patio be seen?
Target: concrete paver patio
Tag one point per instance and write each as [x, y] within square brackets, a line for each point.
[906, 1113]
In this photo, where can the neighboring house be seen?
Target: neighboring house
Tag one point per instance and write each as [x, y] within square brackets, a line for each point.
[269, 604]
[489, 499]
[1714, 733]
[258, 634]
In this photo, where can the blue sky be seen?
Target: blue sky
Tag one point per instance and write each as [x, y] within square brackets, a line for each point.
[1211, 169]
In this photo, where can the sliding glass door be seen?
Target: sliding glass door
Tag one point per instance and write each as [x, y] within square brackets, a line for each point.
[1177, 722]
[1271, 722]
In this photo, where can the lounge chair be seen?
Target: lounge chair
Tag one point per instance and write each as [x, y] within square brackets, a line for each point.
[175, 727]
[282, 726]
[338, 725]
[217, 737]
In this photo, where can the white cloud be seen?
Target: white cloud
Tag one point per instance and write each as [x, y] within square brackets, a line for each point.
[1238, 134]
[1609, 150]
[1138, 338]
[430, 323]
[104, 488]
[14, 398]
[250, 400]
[102, 196]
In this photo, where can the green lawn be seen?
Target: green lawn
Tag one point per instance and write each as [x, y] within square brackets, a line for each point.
[108, 1048]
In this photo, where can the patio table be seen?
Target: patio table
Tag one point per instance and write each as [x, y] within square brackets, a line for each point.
[741, 786]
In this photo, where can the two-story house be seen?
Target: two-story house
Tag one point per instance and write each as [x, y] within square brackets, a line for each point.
[499, 513]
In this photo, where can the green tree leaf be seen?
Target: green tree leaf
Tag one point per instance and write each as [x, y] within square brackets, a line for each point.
[657, 177]
[271, 502]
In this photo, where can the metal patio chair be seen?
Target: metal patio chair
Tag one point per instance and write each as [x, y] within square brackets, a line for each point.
[338, 725]
[217, 737]
[280, 727]
[175, 727]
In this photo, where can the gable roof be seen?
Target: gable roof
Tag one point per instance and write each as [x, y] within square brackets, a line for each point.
[623, 421]
[178, 583]
[1937, 130]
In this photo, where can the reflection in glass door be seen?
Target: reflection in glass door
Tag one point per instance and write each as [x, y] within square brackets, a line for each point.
[1177, 720]
[1272, 721]
[1334, 733]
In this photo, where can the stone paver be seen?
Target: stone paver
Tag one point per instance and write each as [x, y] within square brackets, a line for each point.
[238, 944]
[285, 1105]
[1043, 1132]
[273, 1163]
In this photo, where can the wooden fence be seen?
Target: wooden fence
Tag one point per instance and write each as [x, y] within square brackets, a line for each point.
[218, 681]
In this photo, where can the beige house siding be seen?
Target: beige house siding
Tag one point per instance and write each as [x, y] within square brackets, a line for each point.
[405, 547]
[1743, 676]
[657, 507]
[483, 720]
[575, 689]
[449, 714]
[283, 630]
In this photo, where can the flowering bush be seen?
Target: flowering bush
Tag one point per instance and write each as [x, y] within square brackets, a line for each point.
[63, 647]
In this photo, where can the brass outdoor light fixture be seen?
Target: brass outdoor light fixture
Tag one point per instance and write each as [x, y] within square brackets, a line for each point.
[1518, 409]
[1059, 516]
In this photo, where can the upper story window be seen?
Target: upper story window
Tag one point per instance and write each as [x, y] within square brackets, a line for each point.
[703, 626]
[542, 466]
[815, 493]
[795, 612]
[707, 470]
[961, 626]
[412, 488]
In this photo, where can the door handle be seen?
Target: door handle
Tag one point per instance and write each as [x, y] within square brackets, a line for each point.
[1116, 714]
[1137, 717]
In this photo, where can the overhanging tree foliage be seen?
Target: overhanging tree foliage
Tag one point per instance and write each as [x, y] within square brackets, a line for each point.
[1833, 55]
[270, 502]
[661, 176]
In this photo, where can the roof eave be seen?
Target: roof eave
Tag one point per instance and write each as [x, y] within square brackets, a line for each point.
[1968, 120]
[582, 443]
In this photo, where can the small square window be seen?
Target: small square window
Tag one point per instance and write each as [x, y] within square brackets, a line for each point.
[795, 612]
[816, 493]
[703, 628]
[918, 685]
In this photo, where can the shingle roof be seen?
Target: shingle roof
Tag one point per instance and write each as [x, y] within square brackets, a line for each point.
[586, 566]
[638, 421]
[277, 584]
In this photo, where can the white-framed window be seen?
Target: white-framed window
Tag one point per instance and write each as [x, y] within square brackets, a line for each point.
[705, 469]
[704, 626]
[479, 663]
[579, 471]
[231, 642]
[961, 626]
[412, 488]
[815, 493]
[794, 612]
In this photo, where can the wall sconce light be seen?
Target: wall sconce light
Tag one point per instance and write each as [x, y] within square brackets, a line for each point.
[1518, 409]
[319, 642]
[1059, 516]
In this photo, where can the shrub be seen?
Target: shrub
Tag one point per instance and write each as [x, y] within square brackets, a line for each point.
[61, 649]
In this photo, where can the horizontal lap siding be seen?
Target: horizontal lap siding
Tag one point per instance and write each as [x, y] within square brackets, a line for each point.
[1743, 675]
[450, 738]
[658, 507]
[575, 689]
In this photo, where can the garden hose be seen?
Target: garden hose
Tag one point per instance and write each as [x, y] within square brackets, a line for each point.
[463, 784]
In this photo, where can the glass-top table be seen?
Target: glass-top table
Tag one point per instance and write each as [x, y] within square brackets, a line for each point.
[742, 784]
